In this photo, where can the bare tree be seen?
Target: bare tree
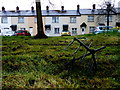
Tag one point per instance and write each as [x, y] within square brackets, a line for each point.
[107, 8]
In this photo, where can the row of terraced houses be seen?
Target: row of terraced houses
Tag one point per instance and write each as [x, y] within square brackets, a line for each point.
[79, 21]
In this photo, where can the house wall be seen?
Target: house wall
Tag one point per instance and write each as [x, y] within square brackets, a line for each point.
[14, 21]
[29, 24]
[82, 19]
[102, 19]
[118, 18]
[32, 26]
[4, 27]
[63, 20]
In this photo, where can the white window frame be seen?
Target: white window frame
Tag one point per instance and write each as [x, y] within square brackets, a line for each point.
[72, 19]
[55, 19]
[4, 19]
[90, 18]
[56, 30]
[91, 29]
[74, 31]
[20, 19]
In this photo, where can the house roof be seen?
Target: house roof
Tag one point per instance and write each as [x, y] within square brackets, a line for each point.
[55, 12]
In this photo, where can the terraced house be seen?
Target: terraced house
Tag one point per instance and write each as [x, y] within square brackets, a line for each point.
[79, 21]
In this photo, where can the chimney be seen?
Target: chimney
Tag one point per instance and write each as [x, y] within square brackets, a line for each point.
[94, 6]
[47, 8]
[3, 9]
[17, 8]
[78, 7]
[62, 7]
[32, 8]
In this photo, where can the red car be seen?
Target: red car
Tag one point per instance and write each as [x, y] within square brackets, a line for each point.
[22, 33]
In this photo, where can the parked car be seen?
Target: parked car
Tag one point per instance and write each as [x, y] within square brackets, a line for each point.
[65, 33]
[22, 33]
[9, 33]
[102, 29]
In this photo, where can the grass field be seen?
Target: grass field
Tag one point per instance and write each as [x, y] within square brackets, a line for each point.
[42, 63]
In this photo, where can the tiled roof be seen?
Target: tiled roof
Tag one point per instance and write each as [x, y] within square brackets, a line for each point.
[55, 12]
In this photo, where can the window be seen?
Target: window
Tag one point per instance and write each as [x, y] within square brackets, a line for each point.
[47, 28]
[4, 20]
[20, 19]
[6, 28]
[92, 29]
[74, 31]
[55, 19]
[57, 31]
[110, 18]
[90, 18]
[35, 19]
[72, 19]
[65, 27]
[118, 24]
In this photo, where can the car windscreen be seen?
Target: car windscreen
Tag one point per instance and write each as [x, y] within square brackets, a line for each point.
[26, 31]
[19, 31]
[102, 28]
[65, 31]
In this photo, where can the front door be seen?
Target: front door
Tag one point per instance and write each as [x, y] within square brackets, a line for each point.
[83, 30]
[31, 31]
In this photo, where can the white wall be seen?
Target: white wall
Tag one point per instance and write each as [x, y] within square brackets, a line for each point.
[62, 21]
[5, 26]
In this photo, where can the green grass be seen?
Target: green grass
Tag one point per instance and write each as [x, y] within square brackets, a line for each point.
[41, 63]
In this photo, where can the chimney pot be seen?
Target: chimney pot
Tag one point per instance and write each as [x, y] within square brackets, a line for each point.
[62, 8]
[32, 8]
[47, 8]
[93, 6]
[17, 8]
[78, 7]
[3, 8]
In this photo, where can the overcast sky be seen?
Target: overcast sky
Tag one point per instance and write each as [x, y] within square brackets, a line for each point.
[68, 4]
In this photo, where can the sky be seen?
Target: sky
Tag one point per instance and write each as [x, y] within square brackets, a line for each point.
[56, 4]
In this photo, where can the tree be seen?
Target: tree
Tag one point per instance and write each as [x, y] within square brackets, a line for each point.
[40, 31]
[107, 8]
